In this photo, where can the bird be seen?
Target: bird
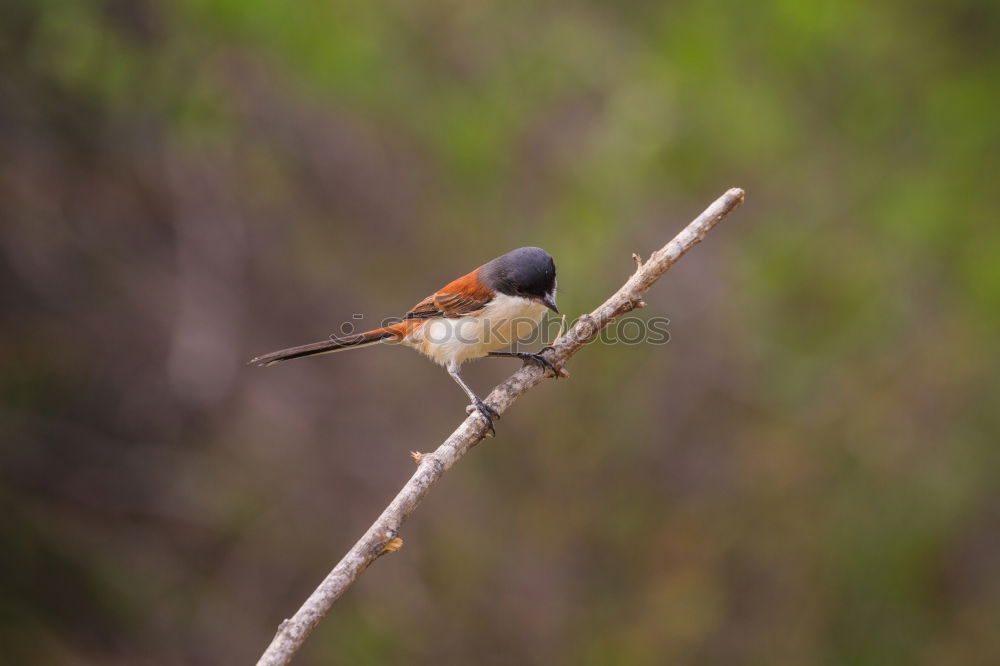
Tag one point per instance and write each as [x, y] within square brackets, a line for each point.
[494, 306]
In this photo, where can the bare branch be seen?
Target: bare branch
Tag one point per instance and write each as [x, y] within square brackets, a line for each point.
[383, 536]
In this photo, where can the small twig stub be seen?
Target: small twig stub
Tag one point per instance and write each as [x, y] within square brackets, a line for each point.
[392, 546]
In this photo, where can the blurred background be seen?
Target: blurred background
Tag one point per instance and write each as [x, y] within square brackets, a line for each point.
[807, 473]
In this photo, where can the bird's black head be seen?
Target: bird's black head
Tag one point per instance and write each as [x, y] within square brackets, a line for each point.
[528, 272]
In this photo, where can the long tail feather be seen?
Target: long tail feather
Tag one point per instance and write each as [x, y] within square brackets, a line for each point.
[327, 346]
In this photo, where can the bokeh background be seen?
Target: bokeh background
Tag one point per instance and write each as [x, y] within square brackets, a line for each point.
[807, 473]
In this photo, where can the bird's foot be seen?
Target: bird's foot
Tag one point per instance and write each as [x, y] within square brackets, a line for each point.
[539, 358]
[486, 412]
[535, 357]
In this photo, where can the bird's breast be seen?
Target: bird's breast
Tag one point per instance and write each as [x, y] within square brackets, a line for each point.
[504, 321]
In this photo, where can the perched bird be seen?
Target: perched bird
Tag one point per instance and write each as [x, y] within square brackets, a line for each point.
[494, 306]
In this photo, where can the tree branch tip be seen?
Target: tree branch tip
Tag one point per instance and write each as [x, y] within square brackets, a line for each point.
[638, 260]
[735, 196]
[417, 456]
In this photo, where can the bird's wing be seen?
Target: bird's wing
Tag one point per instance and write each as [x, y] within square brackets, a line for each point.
[456, 299]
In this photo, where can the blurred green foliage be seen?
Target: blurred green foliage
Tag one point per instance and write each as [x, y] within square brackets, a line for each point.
[807, 473]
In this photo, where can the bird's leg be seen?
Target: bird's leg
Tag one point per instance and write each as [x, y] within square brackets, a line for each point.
[484, 410]
[534, 357]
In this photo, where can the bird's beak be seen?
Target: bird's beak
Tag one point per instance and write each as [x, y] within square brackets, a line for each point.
[550, 302]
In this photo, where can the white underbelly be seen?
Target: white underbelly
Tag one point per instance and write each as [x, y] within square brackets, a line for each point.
[505, 321]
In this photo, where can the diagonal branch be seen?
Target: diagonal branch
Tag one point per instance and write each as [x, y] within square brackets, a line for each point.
[382, 536]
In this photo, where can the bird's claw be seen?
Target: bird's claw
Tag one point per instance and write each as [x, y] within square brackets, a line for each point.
[539, 358]
[486, 412]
